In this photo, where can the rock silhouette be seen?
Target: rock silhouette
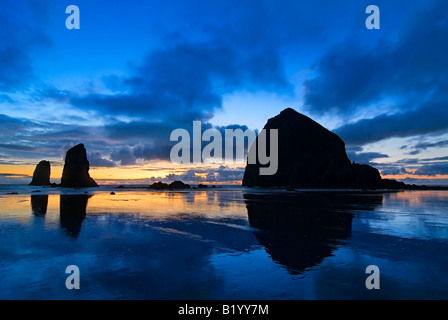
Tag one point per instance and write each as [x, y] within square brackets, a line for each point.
[41, 175]
[310, 156]
[172, 186]
[39, 204]
[73, 210]
[76, 169]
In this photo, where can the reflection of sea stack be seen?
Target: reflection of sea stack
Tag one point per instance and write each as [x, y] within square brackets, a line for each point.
[76, 169]
[310, 156]
[72, 213]
[41, 175]
[299, 230]
[39, 204]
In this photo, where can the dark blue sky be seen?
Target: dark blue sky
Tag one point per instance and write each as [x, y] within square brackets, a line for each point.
[136, 70]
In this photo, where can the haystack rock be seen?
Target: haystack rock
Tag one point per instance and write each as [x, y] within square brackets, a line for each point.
[310, 156]
[41, 175]
[76, 169]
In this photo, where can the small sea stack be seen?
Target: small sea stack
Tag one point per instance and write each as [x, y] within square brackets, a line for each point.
[41, 175]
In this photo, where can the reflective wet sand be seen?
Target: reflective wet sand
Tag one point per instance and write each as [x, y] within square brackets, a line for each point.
[223, 244]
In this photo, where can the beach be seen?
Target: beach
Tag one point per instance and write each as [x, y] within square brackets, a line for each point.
[222, 243]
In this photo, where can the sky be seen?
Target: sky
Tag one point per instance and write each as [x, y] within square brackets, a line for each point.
[136, 70]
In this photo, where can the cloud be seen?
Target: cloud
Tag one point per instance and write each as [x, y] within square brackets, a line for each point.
[435, 159]
[9, 175]
[153, 151]
[222, 174]
[365, 157]
[98, 161]
[186, 81]
[118, 143]
[393, 81]
[428, 182]
[10, 125]
[12, 146]
[349, 78]
[415, 166]
[146, 140]
[409, 161]
[32, 140]
[393, 170]
[413, 152]
[20, 33]
[215, 50]
[403, 79]
[15, 69]
[125, 156]
[426, 145]
[4, 98]
[433, 169]
[12, 178]
[428, 118]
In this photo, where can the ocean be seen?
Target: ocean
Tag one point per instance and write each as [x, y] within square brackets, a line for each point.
[222, 243]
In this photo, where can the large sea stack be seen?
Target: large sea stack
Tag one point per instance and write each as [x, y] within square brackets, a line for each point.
[310, 156]
[41, 175]
[76, 169]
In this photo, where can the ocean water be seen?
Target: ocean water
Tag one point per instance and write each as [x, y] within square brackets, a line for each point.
[224, 243]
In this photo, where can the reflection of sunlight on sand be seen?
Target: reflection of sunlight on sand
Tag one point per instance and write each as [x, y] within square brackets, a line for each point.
[412, 215]
[189, 235]
[16, 207]
[52, 216]
[401, 177]
[167, 205]
[196, 243]
[154, 205]
[418, 198]
[208, 206]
